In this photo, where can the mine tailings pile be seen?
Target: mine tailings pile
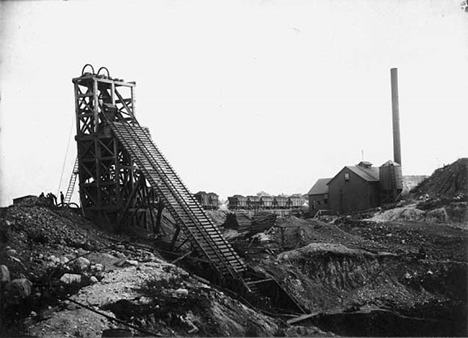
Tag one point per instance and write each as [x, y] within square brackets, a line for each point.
[354, 292]
[449, 182]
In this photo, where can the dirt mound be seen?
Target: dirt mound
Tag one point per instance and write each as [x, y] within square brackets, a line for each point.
[30, 234]
[218, 216]
[161, 298]
[449, 182]
[76, 279]
[332, 278]
[454, 213]
[292, 232]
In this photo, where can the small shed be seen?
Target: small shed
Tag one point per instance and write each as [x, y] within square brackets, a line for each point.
[354, 188]
[318, 196]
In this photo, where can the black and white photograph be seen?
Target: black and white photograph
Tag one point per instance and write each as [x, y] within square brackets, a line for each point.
[233, 168]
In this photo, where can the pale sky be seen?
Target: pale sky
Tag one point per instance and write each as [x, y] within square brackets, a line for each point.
[240, 96]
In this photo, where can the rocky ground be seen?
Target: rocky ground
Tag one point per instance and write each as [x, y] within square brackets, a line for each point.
[401, 271]
[62, 276]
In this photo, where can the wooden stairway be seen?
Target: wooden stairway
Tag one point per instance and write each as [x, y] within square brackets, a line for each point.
[189, 215]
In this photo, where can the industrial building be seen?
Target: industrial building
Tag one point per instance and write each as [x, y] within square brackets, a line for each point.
[318, 196]
[354, 188]
[363, 186]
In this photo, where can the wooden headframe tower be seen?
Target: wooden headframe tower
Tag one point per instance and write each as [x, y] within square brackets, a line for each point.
[124, 177]
[112, 189]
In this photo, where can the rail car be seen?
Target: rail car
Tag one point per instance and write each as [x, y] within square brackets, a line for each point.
[265, 202]
[295, 202]
[208, 201]
[237, 202]
[253, 202]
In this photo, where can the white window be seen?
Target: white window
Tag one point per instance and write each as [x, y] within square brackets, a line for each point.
[346, 176]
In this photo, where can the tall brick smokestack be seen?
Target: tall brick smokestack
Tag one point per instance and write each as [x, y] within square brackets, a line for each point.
[396, 117]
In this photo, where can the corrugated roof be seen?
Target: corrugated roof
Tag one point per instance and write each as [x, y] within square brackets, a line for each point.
[368, 174]
[320, 187]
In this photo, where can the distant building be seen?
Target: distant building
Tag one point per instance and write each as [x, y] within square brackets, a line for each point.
[354, 188]
[237, 202]
[318, 196]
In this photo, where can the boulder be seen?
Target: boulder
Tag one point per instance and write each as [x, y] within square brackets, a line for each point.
[99, 267]
[81, 264]
[437, 216]
[54, 259]
[181, 292]
[20, 287]
[131, 262]
[412, 214]
[126, 262]
[11, 252]
[64, 260]
[4, 274]
[119, 255]
[69, 278]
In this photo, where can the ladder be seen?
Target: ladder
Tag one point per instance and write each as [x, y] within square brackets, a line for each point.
[71, 184]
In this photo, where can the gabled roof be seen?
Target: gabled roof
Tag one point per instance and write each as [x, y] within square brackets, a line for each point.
[368, 174]
[320, 187]
[390, 162]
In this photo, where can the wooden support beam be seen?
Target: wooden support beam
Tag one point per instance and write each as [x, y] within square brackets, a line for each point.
[158, 217]
[129, 111]
[130, 199]
[174, 238]
[181, 257]
[181, 244]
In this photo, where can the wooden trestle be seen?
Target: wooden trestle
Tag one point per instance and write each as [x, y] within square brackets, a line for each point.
[188, 213]
[125, 180]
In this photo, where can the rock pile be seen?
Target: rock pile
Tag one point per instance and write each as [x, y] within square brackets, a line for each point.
[449, 182]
